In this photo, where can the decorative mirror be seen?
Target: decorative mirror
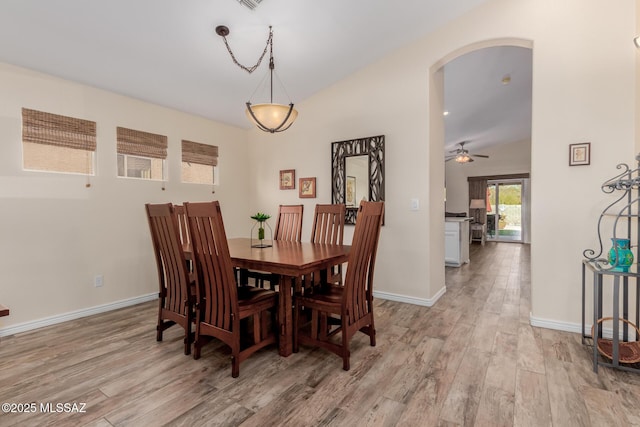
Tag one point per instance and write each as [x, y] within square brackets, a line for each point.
[357, 173]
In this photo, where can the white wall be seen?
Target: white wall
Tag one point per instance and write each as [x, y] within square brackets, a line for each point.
[583, 90]
[56, 234]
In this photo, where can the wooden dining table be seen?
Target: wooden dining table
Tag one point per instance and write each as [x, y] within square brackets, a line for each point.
[287, 261]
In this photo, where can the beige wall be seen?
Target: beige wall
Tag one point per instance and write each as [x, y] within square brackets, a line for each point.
[56, 234]
[583, 90]
[637, 109]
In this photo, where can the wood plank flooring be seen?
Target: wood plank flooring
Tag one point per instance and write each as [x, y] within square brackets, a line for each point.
[472, 359]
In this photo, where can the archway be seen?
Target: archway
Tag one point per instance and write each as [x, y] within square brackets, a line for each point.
[436, 156]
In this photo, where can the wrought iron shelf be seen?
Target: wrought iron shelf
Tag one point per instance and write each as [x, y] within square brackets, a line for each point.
[607, 273]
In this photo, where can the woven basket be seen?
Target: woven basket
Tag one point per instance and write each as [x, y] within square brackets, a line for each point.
[629, 352]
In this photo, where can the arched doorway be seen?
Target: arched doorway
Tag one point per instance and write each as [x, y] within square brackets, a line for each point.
[437, 139]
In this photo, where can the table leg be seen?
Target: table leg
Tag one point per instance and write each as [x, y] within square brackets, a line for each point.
[285, 316]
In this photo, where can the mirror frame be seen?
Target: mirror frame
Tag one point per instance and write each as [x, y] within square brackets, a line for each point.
[373, 147]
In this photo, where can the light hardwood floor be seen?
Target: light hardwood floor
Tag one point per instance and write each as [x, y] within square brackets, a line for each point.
[472, 359]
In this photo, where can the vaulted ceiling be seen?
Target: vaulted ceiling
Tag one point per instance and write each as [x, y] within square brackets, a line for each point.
[166, 52]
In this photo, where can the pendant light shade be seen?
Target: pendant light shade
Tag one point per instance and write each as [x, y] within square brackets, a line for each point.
[271, 117]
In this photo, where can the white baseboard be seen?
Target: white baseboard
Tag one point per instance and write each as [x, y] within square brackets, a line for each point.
[607, 332]
[64, 317]
[554, 324]
[428, 302]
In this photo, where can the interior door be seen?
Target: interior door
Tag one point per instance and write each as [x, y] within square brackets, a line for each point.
[504, 219]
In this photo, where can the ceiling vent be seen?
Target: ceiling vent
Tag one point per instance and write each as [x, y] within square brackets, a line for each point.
[251, 4]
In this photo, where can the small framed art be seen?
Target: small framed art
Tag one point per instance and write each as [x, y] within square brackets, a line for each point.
[580, 154]
[288, 179]
[308, 188]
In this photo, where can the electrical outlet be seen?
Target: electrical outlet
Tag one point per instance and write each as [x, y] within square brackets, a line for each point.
[98, 281]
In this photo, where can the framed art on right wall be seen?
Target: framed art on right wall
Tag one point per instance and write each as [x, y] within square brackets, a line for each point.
[580, 154]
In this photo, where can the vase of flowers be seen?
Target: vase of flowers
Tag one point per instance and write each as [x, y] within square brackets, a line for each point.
[259, 231]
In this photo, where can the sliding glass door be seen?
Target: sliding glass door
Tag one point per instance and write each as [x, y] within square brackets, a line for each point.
[504, 219]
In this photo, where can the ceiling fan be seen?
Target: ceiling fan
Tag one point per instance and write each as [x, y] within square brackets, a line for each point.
[462, 155]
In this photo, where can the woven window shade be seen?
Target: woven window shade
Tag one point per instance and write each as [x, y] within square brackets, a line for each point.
[62, 131]
[139, 143]
[202, 154]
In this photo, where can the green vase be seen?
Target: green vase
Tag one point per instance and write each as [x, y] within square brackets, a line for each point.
[620, 255]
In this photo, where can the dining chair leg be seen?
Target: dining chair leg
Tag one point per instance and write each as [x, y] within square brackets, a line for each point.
[187, 346]
[372, 334]
[314, 324]
[197, 343]
[160, 326]
[324, 326]
[345, 347]
[235, 366]
[256, 327]
[296, 325]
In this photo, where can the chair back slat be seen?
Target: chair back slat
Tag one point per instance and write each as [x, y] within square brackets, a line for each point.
[328, 224]
[182, 225]
[219, 304]
[170, 261]
[358, 292]
[289, 223]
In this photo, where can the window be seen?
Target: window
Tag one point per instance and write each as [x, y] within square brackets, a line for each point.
[141, 154]
[199, 162]
[55, 143]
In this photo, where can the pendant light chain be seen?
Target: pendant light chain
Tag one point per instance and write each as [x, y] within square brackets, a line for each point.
[268, 117]
[253, 68]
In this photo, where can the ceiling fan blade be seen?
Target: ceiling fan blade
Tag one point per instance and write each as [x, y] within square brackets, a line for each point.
[448, 159]
[479, 155]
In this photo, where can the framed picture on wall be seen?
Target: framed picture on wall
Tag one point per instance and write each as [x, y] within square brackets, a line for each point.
[580, 154]
[307, 188]
[288, 179]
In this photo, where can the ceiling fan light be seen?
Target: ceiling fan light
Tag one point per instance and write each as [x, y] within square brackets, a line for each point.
[271, 117]
[462, 158]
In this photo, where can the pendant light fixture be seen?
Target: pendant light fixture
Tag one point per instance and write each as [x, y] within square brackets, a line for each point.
[268, 117]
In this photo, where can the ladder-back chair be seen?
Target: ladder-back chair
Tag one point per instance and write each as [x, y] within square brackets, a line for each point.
[328, 228]
[222, 305]
[177, 300]
[350, 305]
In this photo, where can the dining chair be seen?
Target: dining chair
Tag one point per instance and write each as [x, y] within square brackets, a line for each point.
[328, 228]
[288, 228]
[344, 309]
[222, 305]
[289, 223]
[177, 300]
